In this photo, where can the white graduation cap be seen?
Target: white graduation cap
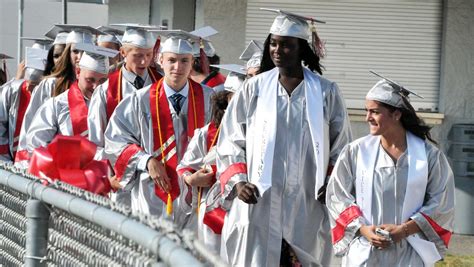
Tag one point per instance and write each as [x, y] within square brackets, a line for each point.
[235, 78]
[178, 41]
[253, 54]
[35, 63]
[138, 34]
[112, 35]
[58, 34]
[291, 24]
[95, 58]
[389, 92]
[77, 33]
[205, 43]
[40, 43]
[36, 58]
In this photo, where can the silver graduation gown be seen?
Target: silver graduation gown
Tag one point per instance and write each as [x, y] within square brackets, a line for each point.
[9, 104]
[388, 194]
[196, 157]
[252, 234]
[97, 118]
[131, 124]
[40, 94]
[51, 119]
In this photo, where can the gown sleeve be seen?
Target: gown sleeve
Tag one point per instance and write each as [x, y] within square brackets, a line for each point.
[436, 216]
[345, 216]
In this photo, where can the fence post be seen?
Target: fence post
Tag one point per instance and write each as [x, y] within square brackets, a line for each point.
[36, 233]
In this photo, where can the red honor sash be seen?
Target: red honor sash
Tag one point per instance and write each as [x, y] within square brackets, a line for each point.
[164, 142]
[114, 91]
[77, 110]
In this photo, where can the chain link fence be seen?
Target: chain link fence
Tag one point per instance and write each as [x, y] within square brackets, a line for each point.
[84, 229]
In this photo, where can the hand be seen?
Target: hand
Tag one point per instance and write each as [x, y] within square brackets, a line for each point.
[157, 172]
[114, 183]
[396, 231]
[247, 192]
[368, 231]
[20, 73]
[201, 178]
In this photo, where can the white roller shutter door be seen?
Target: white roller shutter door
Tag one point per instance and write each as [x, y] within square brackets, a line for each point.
[399, 39]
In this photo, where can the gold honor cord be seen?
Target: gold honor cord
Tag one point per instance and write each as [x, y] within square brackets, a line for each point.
[119, 89]
[169, 202]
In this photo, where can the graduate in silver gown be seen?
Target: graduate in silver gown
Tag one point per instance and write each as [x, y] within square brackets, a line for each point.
[281, 133]
[66, 114]
[198, 165]
[149, 131]
[396, 180]
[14, 99]
[135, 74]
[58, 82]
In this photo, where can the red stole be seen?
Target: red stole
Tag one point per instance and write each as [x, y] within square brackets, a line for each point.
[163, 129]
[214, 79]
[114, 91]
[24, 96]
[77, 109]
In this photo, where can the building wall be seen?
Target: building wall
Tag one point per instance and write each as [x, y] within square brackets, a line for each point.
[227, 17]
[129, 11]
[457, 70]
[38, 17]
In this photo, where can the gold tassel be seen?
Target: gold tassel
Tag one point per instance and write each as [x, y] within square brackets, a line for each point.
[169, 205]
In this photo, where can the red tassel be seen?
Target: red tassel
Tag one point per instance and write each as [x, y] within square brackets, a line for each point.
[156, 49]
[204, 60]
[317, 44]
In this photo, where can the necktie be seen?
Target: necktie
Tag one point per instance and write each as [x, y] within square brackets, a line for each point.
[138, 83]
[176, 102]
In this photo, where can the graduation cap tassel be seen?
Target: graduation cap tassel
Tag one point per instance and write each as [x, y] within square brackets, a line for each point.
[318, 45]
[203, 58]
[156, 49]
[5, 69]
[169, 205]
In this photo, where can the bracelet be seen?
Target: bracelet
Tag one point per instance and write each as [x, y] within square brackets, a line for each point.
[405, 227]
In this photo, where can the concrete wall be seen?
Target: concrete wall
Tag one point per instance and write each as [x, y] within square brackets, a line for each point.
[129, 11]
[39, 16]
[229, 18]
[457, 70]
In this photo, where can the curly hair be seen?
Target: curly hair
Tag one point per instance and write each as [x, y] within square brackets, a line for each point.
[63, 72]
[307, 56]
[219, 102]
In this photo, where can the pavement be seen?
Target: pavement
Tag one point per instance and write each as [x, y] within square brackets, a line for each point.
[461, 245]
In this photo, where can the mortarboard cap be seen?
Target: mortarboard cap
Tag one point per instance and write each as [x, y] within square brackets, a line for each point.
[253, 54]
[389, 92]
[95, 58]
[138, 35]
[58, 34]
[35, 63]
[205, 33]
[291, 24]
[40, 43]
[235, 78]
[78, 33]
[4, 56]
[178, 42]
[111, 35]
[36, 58]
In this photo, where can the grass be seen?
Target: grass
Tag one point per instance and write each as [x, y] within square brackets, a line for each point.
[456, 261]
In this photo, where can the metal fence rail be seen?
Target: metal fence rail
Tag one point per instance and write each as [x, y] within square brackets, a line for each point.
[83, 229]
